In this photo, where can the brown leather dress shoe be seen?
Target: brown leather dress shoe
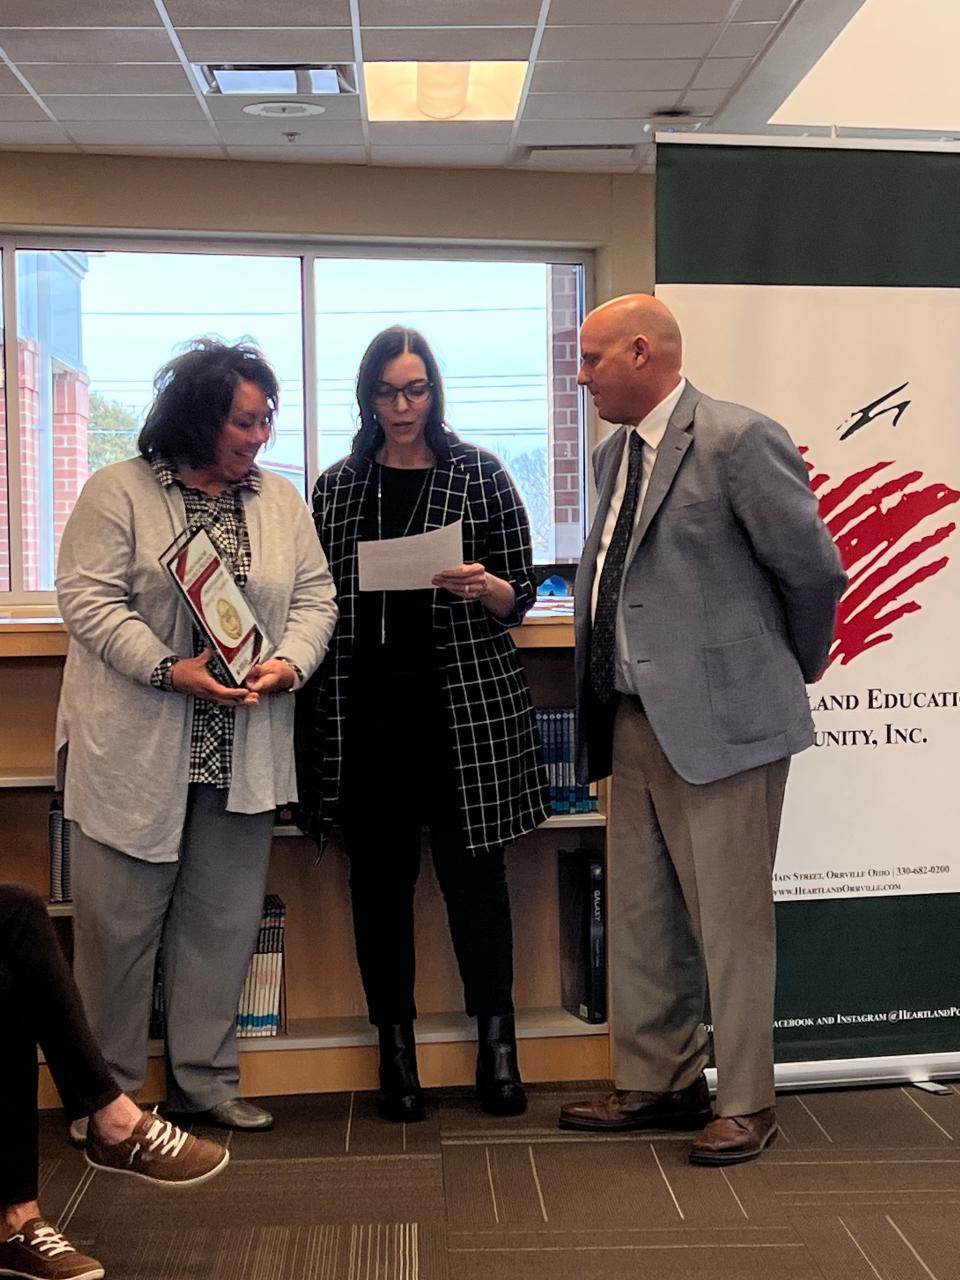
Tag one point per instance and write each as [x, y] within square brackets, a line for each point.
[640, 1109]
[730, 1139]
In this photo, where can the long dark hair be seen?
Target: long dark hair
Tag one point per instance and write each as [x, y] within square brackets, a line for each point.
[194, 392]
[386, 346]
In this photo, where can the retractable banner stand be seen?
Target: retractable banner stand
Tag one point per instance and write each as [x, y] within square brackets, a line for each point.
[821, 286]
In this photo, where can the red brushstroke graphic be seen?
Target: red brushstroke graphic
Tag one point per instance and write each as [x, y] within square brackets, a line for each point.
[874, 522]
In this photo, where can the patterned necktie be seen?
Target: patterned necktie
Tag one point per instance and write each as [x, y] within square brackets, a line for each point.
[603, 637]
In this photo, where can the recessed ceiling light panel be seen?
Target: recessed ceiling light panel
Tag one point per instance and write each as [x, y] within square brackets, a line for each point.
[443, 91]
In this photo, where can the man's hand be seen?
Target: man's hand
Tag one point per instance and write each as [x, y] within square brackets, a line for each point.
[190, 676]
[272, 676]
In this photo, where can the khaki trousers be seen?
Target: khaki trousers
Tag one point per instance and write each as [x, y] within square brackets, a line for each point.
[691, 906]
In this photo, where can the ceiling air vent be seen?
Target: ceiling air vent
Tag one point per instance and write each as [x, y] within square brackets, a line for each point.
[256, 80]
[583, 156]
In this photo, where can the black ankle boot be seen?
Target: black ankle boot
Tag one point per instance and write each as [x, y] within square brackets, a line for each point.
[499, 1087]
[400, 1097]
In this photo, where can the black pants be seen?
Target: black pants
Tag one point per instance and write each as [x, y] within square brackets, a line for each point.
[398, 777]
[39, 1004]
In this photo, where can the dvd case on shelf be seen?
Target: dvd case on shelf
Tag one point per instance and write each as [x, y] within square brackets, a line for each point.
[583, 953]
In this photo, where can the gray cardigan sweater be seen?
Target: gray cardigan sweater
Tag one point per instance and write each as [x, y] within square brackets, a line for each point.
[123, 747]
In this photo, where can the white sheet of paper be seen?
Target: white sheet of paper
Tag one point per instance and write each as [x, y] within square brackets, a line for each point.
[409, 564]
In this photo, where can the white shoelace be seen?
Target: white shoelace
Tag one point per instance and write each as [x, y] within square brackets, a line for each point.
[168, 1137]
[50, 1242]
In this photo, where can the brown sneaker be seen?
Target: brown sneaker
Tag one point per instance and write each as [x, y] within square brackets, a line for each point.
[639, 1109]
[39, 1252]
[159, 1151]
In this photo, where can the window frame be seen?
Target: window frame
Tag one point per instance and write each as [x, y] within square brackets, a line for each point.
[23, 603]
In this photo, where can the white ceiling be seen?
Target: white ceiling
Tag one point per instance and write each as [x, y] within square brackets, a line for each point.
[112, 75]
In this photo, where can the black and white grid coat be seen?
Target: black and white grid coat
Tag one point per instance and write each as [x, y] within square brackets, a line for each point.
[493, 728]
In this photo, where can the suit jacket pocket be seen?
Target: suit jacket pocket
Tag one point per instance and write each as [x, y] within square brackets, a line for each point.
[750, 687]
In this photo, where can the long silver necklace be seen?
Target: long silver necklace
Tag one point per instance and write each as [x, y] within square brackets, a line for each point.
[427, 479]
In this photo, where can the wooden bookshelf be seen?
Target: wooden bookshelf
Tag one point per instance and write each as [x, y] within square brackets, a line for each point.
[329, 1044]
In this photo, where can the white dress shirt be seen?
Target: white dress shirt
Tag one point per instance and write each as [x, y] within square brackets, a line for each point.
[651, 431]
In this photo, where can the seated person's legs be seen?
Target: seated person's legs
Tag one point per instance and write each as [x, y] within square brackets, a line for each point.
[40, 1004]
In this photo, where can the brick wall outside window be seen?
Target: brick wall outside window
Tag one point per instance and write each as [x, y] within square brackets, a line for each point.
[69, 460]
[565, 412]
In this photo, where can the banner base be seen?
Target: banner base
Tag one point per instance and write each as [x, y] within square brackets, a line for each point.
[841, 1073]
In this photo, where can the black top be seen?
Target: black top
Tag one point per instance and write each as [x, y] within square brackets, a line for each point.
[395, 628]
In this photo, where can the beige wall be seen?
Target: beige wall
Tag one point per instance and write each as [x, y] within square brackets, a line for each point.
[611, 214]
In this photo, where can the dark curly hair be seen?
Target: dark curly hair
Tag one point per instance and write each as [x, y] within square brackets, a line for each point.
[386, 346]
[194, 392]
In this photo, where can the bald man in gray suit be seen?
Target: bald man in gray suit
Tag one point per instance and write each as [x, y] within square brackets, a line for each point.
[705, 601]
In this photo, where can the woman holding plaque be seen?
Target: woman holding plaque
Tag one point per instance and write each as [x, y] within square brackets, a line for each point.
[174, 767]
[420, 714]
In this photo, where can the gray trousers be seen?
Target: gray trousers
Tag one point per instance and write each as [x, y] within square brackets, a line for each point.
[206, 906]
[690, 904]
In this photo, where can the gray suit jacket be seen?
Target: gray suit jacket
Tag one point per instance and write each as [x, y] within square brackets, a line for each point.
[729, 594]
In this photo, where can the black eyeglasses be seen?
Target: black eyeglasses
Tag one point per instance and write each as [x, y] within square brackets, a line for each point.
[413, 392]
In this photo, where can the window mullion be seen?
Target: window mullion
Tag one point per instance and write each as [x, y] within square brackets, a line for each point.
[12, 385]
[311, 417]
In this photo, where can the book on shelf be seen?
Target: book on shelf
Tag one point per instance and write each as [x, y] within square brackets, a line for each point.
[260, 1010]
[261, 1001]
[158, 1020]
[558, 737]
[58, 830]
[583, 946]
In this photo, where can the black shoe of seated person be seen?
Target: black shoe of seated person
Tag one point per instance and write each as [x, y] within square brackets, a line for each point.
[400, 1098]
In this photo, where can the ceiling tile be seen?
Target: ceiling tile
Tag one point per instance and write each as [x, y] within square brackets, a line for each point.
[107, 45]
[446, 157]
[535, 133]
[635, 76]
[703, 102]
[172, 152]
[300, 155]
[29, 132]
[9, 82]
[743, 39]
[720, 73]
[335, 107]
[452, 134]
[595, 106]
[571, 160]
[80, 13]
[154, 133]
[647, 153]
[254, 13]
[314, 132]
[570, 13]
[55, 148]
[129, 107]
[20, 106]
[93, 77]
[268, 44]
[441, 13]
[762, 10]
[451, 44]
[684, 40]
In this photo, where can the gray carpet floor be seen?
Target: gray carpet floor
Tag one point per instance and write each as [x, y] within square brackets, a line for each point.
[862, 1185]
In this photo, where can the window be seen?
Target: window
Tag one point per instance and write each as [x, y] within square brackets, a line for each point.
[94, 327]
[4, 499]
[505, 337]
[94, 324]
